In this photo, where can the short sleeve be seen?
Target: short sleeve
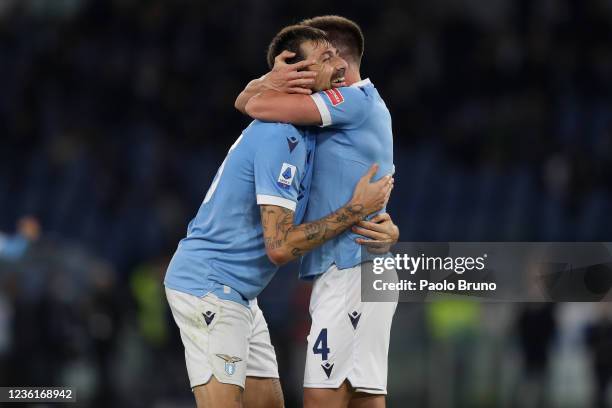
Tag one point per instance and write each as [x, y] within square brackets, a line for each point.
[278, 168]
[341, 107]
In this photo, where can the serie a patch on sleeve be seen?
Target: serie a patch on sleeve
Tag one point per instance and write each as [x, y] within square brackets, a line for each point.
[335, 96]
[287, 173]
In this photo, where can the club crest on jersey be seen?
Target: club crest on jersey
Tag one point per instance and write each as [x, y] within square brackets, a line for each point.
[287, 173]
[230, 363]
[335, 96]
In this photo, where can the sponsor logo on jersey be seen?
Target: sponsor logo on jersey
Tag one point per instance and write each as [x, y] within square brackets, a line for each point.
[335, 96]
[230, 363]
[287, 173]
[292, 141]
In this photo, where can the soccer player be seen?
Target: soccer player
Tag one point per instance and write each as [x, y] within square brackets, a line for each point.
[242, 232]
[348, 344]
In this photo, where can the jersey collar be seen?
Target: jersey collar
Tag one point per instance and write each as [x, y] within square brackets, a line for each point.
[362, 83]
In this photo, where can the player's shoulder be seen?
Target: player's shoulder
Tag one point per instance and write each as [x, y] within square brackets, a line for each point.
[272, 136]
[337, 96]
[354, 94]
[271, 129]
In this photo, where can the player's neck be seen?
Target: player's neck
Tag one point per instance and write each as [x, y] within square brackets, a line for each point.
[351, 76]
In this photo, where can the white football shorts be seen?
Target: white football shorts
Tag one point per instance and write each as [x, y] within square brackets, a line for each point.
[348, 339]
[222, 338]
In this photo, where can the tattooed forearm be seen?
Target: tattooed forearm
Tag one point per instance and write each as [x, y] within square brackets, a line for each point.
[342, 218]
[295, 240]
[355, 209]
[312, 230]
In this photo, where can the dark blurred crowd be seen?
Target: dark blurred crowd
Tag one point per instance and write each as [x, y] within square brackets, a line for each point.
[115, 114]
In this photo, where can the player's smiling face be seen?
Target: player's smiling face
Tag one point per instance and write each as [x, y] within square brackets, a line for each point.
[329, 66]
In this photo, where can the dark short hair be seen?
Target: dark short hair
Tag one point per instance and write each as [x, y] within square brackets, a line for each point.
[290, 38]
[344, 34]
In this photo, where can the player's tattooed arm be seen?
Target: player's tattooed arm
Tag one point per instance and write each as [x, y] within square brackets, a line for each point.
[286, 78]
[381, 232]
[285, 241]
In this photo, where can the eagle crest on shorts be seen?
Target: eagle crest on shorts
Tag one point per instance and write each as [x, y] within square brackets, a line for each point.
[230, 363]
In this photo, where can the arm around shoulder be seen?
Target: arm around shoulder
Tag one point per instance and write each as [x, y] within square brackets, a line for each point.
[273, 106]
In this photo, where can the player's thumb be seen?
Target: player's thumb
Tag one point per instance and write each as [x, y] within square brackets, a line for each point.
[371, 172]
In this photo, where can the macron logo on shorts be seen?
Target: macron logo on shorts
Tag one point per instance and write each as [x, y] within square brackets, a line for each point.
[208, 317]
[335, 96]
[354, 319]
[327, 367]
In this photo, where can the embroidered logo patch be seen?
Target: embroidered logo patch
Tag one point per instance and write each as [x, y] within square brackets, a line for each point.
[287, 173]
[335, 96]
[230, 363]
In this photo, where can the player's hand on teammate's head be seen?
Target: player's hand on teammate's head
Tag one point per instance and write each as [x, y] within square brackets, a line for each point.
[290, 78]
[380, 231]
[368, 196]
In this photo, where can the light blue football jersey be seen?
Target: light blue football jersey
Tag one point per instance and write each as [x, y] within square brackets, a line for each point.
[356, 133]
[224, 251]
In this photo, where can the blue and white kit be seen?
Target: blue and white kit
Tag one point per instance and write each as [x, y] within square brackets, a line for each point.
[348, 339]
[221, 266]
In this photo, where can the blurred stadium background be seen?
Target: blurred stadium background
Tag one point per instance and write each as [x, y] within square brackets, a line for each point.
[114, 116]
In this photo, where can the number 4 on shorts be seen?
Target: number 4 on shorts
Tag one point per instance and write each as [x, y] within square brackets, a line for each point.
[320, 346]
